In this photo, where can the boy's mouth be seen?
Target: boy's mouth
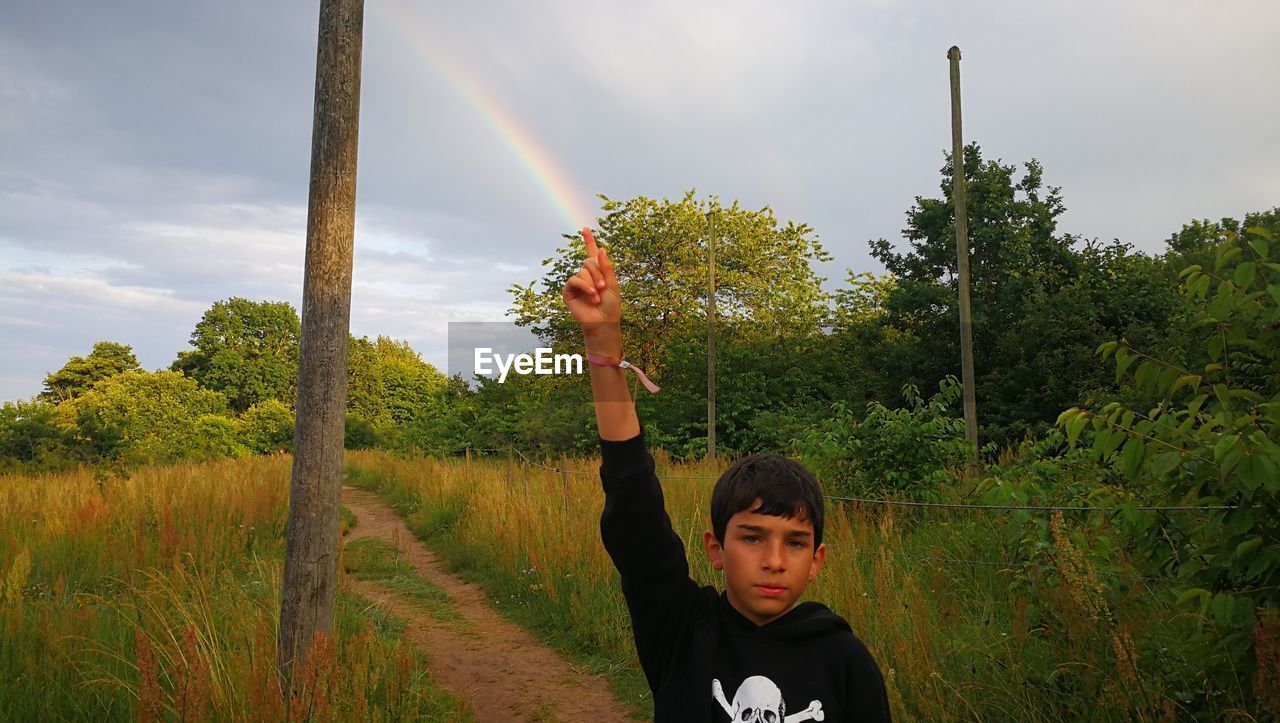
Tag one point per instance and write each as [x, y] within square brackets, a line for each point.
[770, 591]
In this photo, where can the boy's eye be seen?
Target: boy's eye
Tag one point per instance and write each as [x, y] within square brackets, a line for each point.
[750, 538]
[798, 544]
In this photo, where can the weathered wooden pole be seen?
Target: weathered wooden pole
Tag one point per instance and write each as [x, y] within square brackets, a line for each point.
[962, 258]
[711, 339]
[311, 534]
[564, 481]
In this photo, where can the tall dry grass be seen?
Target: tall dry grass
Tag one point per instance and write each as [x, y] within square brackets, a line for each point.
[956, 636]
[155, 596]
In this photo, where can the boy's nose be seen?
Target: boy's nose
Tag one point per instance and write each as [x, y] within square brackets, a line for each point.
[773, 558]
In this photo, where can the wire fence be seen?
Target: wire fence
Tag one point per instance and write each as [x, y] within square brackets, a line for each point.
[564, 470]
[941, 505]
[513, 452]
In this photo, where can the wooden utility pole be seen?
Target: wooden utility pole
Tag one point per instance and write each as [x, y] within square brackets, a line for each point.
[962, 257]
[311, 535]
[711, 340]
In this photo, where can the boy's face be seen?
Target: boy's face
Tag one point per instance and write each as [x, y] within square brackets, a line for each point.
[768, 561]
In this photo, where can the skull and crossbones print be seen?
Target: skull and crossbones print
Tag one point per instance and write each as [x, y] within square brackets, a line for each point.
[758, 700]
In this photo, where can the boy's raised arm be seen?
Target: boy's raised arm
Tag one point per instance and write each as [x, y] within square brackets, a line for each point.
[594, 299]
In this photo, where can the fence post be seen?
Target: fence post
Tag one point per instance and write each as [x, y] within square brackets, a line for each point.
[564, 480]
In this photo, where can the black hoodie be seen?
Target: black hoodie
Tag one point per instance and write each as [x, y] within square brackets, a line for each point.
[704, 661]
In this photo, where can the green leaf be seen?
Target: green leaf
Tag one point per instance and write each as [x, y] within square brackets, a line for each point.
[1261, 563]
[1123, 360]
[1224, 445]
[1268, 471]
[1201, 288]
[1199, 594]
[1131, 458]
[1165, 463]
[1074, 425]
[1193, 407]
[1223, 395]
[1259, 247]
[1225, 256]
[1251, 472]
[1259, 232]
[1274, 290]
[1244, 548]
[1222, 607]
[1244, 274]
[1184, 380]
[1113, 442]
[1213, 347]
[1145, 377]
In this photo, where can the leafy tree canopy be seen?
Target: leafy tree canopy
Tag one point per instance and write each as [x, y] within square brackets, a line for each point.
[388, 382]
[247, 350]
[1042, 301]
[659, 248]
[146, 416]
[82, 372]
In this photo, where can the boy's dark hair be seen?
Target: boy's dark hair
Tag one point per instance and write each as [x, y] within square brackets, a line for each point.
[783, 486]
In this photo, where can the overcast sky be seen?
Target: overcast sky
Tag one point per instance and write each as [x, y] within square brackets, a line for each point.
[154, 156]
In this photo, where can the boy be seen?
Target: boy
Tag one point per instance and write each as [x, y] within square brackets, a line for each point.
[750, 654]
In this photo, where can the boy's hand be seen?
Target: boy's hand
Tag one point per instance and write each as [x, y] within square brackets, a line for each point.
[595, 301]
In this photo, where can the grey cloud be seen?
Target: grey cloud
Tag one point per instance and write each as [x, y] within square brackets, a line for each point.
[156, 155]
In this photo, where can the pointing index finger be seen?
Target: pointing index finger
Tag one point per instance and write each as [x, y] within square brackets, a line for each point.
[590, 240]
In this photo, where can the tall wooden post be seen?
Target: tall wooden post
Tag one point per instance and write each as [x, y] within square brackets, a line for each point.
[564, 481]
[962, 258]
[311, 534]
[711, 340]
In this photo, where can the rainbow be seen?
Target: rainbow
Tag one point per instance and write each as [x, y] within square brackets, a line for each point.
[537, 162]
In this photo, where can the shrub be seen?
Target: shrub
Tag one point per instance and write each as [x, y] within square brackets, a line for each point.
[909, 451]
[267, 427]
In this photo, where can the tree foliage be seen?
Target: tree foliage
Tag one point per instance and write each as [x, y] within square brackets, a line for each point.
[146, 416]
[32, 437]
[1210, 440]
[389, 383]
[82, 372]
[1027, 281]
[246, 350]
[660, 251]
[267, 427]
[908, 451]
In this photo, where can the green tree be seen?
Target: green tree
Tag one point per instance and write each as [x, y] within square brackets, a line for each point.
[1042, 301]
[82, 372]
[246, 350]
[267, 427]
[659, 249]
[389, 383]
[146, 416]
[1205, 434]
[33, 437]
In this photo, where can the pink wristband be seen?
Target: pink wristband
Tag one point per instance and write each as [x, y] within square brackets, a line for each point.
[624, 365]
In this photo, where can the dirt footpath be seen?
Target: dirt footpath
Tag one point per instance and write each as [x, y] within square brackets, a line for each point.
[498, 670]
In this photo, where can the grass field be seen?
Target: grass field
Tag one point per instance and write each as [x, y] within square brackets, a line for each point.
[155, 596]
[957, 636]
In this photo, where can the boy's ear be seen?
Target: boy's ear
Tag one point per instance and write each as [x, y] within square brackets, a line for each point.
[715, 551]
[819, 556]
